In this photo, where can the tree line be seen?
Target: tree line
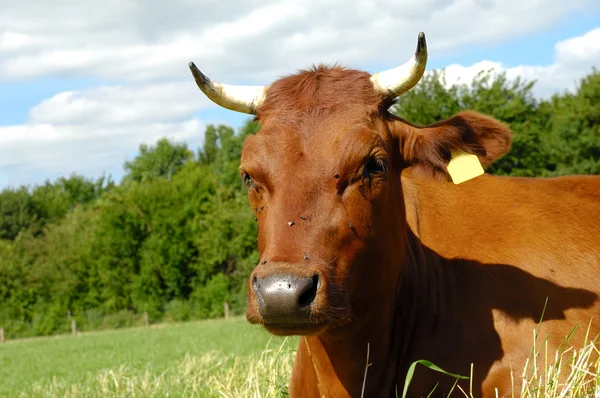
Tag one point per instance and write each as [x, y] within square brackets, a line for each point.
[175, 237]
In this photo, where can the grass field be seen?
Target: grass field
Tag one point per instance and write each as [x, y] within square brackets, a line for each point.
[204, 359]
[219, 358]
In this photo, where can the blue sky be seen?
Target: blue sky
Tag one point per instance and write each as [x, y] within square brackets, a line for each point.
[82, 86]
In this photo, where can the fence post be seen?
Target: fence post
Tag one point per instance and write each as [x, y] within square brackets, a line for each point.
[73, 326]
[226, 309]
[1, 335]
[146, 320]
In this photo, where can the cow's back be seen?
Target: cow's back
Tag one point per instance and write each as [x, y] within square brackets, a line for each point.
[515, 242]
[549, 227]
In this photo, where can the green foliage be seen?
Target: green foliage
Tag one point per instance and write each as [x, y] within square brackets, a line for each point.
[161, 161]
[575, 128]
[208, 298]
[178, 310]
[16, 212]
[176, 238]
[169, 240]
[24, 209]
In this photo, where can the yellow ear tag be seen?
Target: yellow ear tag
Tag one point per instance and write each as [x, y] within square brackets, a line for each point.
[463, 167]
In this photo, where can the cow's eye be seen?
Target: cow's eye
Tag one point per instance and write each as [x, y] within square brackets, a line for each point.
[248, 181]
[374, 166]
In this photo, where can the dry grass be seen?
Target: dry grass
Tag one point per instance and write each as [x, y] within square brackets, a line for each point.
[565, 373]
[568, 372]
[210, 375]
[224, 367]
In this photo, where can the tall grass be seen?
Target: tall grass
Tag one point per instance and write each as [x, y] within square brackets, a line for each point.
[216, 359]
[210, 375]
[567, 372]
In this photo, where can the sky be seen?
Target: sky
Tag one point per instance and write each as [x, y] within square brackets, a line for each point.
[84, 83]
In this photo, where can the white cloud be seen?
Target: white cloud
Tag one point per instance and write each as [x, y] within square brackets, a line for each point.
[119, 105]
[248, 40]
[95, 131]
[579, 49]
[573, 59]
[29, 152]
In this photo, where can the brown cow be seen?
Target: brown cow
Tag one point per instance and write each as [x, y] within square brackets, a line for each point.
[362, 244]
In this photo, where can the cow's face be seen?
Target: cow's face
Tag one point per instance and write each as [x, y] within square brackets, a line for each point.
[323, 178]
[322, 183]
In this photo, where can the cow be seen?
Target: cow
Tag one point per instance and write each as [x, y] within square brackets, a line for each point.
[376, 259]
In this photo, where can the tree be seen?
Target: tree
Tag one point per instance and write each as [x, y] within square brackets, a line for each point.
[575, 128]
[53, 200]
[16, 212]
[160, 161]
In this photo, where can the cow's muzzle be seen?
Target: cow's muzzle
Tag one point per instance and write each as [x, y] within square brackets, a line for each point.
[285, 298]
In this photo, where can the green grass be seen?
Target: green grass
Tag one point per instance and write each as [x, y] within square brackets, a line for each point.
[191, 359]
[226, 359]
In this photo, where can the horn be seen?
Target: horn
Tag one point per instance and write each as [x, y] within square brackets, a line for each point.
[397, 81]
[245, 99]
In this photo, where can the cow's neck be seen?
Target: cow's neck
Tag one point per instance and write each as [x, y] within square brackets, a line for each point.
[341, 356]
[388, 327]
[425, 296]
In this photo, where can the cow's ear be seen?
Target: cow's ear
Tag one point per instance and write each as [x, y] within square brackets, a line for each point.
[429, 149]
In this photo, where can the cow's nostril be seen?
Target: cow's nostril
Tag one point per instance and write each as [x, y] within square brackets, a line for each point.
[255, 284]
[308, 296]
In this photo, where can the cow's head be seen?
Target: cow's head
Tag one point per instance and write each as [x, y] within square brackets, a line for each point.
[323, 177]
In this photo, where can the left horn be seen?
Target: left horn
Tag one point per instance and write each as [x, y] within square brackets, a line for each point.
[397, 81]
[245, 99]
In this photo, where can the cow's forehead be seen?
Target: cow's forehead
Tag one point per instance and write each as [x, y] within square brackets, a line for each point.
[320, 88]
[316, 139]
[316, 125]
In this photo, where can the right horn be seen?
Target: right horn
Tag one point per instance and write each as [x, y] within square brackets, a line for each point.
[397, 81]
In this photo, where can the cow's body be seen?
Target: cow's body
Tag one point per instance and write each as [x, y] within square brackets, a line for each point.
[360, 247]
[485, 256]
